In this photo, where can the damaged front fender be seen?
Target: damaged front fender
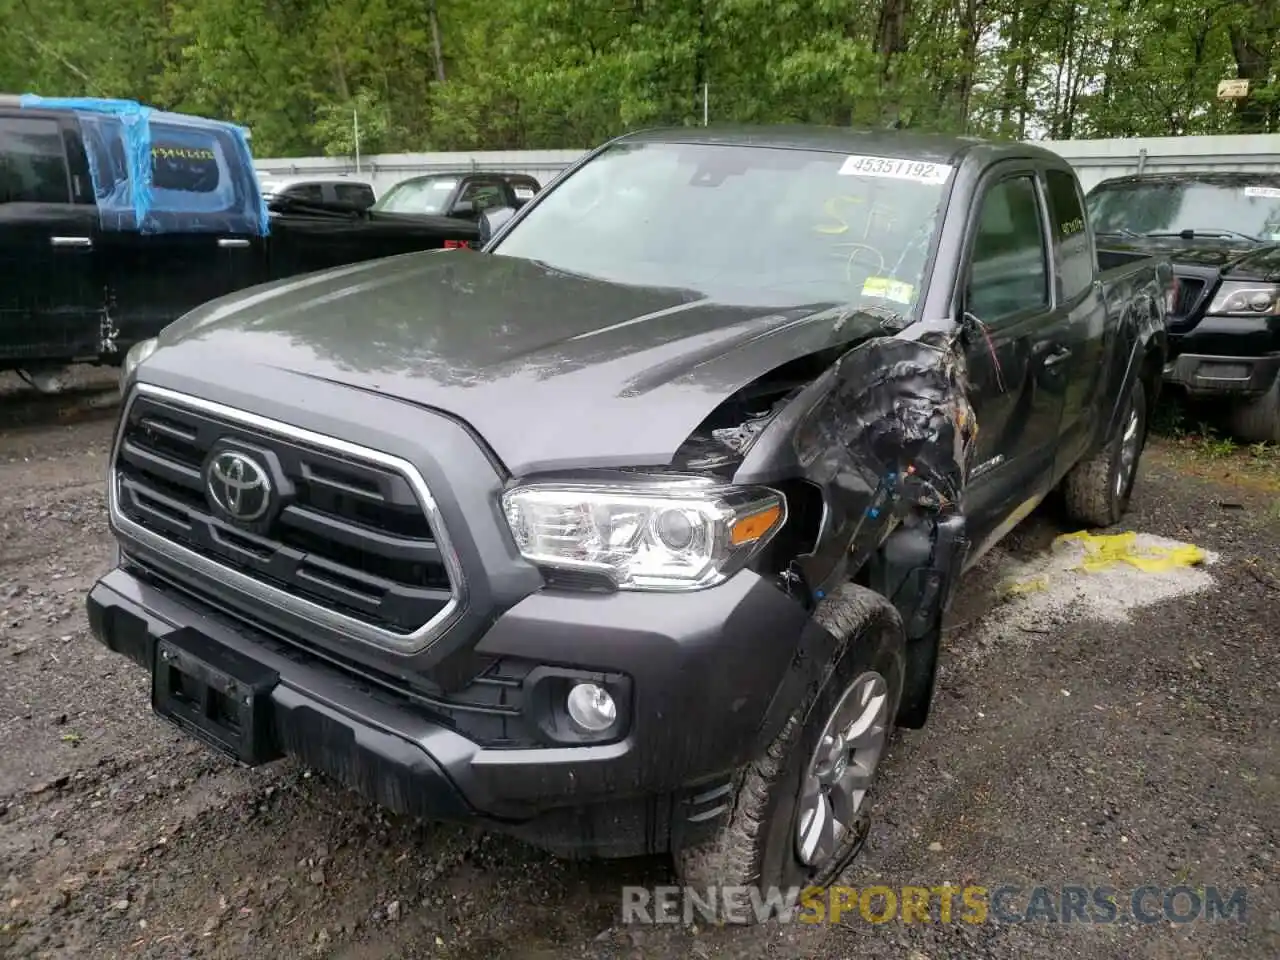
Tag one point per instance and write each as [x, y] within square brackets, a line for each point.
[887, 434]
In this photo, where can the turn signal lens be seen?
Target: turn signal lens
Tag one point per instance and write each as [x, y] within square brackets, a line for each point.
[752, 527]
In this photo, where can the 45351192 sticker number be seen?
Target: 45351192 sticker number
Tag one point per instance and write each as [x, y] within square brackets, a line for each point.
[896, 169]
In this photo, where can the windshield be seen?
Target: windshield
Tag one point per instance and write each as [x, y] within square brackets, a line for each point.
[426, 195]
[742, 224]
[1233, 211]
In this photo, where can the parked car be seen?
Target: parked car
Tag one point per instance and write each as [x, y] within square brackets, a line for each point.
[461, 194]
[340, 190]
[1222, 232]
[115, 220]
[616, 535]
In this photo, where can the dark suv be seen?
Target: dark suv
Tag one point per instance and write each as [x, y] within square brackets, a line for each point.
[1222, 233]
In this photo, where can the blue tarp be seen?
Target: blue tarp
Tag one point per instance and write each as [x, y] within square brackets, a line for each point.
[158, 172]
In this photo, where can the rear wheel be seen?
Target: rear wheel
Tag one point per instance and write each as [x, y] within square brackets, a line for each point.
[1258, 420]
[800, 813]
[1096, 491]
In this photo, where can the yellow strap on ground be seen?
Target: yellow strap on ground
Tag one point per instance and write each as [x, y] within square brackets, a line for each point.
[1107, 550]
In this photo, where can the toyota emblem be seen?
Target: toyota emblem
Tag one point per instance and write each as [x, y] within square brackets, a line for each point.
[239, 486]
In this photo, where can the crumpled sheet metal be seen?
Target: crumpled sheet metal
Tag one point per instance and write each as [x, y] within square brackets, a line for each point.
[126, 196]
[889, 438]
[897, 424]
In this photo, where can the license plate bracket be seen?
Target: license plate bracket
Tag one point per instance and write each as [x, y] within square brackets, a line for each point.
[215, 694]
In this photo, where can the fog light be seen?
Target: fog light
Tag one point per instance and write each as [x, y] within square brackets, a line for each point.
[591, 707]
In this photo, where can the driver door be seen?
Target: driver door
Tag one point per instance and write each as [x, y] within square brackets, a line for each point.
[1011, 321]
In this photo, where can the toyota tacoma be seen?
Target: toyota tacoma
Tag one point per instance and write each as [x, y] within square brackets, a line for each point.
[633, 530]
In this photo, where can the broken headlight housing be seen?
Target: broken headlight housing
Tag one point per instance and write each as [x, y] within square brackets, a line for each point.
[1239, 298]
[659, 535]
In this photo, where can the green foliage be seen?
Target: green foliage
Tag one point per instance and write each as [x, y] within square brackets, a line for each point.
[570, 73]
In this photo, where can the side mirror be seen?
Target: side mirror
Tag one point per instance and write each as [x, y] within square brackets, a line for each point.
[464, 209]
[492, 220]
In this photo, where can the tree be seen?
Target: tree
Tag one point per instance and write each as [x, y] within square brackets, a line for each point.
[467, 74]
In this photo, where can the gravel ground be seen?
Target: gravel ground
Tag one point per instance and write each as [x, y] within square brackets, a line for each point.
[1064, 748]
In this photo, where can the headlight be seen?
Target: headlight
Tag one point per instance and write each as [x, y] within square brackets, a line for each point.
[677, 535]
[1246, 299]
[137, 353]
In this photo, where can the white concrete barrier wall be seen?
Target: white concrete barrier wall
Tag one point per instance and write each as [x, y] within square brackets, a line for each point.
[1094, 160]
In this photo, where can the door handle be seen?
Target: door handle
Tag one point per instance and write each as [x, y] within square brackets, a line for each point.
[1055, 358]
[71, 241]
[227, 242]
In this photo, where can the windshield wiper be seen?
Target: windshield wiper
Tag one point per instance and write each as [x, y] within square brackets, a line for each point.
[1122, 232]
[1190, 234]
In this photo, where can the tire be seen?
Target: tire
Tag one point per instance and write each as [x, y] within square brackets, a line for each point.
[1096, 491]
[1258, 420]
[759, 845]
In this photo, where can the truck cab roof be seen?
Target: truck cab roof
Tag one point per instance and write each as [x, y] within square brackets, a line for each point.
[1221, 178]
[903, 144]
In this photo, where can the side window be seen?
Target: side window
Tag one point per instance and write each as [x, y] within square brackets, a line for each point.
[1009, 272]
[306, 191]
[33, 165]
[354, 193]
[483, 194]
[1070, 238]
[185, 161]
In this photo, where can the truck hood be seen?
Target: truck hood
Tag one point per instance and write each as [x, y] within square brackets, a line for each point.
[1237, 262]
[552, 370]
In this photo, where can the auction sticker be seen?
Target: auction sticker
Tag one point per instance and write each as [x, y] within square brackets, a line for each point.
[888, 289]
[896, 169]
[1271, 193]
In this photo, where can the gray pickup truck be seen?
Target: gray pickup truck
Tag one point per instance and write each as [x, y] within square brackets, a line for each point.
[634, 530]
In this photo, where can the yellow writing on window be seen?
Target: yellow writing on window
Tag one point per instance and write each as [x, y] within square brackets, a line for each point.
[182, 153]
[876, 218]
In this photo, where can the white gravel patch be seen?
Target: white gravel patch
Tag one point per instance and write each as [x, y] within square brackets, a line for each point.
[1094, 578]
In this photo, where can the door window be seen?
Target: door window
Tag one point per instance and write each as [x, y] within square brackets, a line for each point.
[1071, 250]
[33, 164]
[1008, 273]
[482, 194]
[355, 193]
[306, 191]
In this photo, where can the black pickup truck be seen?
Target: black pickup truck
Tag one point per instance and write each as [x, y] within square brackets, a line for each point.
[634, 530]
[116, 220]
[462, 194]
[1222, 233]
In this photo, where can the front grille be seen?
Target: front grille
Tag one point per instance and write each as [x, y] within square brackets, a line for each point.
[347, 534]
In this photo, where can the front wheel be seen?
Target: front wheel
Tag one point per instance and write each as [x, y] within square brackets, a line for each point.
[800, 812]
[1096, 491]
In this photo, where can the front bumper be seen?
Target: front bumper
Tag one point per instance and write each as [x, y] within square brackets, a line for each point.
[705, 670]
[1218, 375]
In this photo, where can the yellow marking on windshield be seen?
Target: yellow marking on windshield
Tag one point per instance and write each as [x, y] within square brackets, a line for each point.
[832, 209]
[887, 288]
